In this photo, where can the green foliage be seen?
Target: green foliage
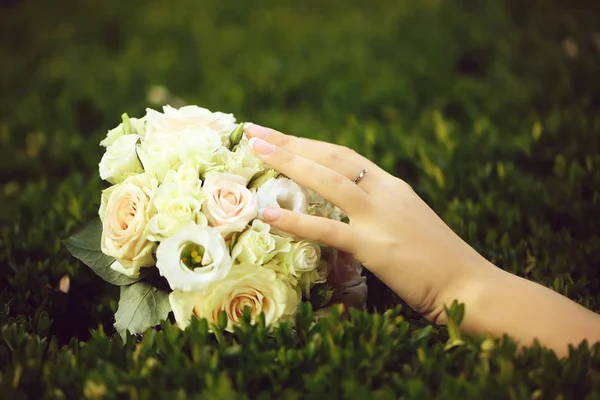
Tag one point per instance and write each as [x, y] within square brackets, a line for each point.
[85, 246]
[489, 109]
[378, 355]
[141, 306]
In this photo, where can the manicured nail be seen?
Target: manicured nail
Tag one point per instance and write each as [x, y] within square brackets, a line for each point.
[269, 214]
[258, 131]
[260, 146]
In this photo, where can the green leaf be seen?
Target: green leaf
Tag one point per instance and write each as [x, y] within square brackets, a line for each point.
[236, 136]
[455, 315]
[141, 306]
[261, 178]
[85, 246]
[127, 127]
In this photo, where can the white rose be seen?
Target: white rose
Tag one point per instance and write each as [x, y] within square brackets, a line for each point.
[283, 193]
[159, 155]
[130, 126]
[230, 205]
[241, 162]
[188, 117]
[186, 174]
[201, 147]
[283, 271]
[257, 246]
[125, 211]
[248, 285]
[120, 160]
[193, 257]
[303, 256]
[176, 204]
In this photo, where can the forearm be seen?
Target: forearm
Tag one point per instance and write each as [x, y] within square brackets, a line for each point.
[498, 303]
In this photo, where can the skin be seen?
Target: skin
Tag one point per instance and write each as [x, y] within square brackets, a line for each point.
[399, 238]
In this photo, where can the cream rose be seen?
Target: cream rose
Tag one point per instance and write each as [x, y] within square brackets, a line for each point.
[252, 286]
[188, 117]
[129, 126]
[159, 156]
[125, 211]
[201, 147]
[303, 256]
[283, 193]
[120, 160]
[239, 162]
[257, 245]
[176, 204]
[193, 257]
[230, 205]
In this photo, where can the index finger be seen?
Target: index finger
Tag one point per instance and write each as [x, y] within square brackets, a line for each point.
[338, 158]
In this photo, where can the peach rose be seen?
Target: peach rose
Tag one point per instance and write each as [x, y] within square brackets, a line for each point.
[125, 211]
[230, 205]
[247, 285]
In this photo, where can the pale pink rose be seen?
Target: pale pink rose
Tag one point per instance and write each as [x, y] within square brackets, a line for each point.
[188, 117]
[230, 205]
[125, 211]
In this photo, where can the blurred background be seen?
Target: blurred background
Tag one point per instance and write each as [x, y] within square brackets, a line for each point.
[489, 108]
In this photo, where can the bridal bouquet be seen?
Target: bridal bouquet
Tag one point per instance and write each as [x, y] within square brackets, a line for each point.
[179, 232]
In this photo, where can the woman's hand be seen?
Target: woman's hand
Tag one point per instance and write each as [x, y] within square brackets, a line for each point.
[392, 231]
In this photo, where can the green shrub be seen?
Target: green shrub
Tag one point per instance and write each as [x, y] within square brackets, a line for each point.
[377, 355]
[489, 109]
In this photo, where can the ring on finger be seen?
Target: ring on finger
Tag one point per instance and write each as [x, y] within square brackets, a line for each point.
[360, 175]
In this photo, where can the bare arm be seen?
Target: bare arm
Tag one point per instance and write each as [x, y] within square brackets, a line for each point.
[498, 302]
[397, 236]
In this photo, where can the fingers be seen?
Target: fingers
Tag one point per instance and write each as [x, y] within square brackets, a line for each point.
[326, 231]
[328, 183]
[339, 158]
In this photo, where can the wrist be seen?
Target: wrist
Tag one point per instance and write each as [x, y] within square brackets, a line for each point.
[469, 286]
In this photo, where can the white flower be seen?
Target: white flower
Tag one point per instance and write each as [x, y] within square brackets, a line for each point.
[303, 256]
[240, 162]
[193, 257]
[120, 160]
[131, 126]
[186, 174]
[188, 117]
[283, 193]
[125, 211]
[252, 286]
[160, 155]
[182, 304]
[283, 271]
[257, 246]
[230, 205]
[176, 204]
[201, 147]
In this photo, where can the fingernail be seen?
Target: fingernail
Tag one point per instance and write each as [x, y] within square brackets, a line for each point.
[260, 146]
[269, 214]
[258, 131]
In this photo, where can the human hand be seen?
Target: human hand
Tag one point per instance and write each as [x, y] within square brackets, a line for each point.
[392, 231]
